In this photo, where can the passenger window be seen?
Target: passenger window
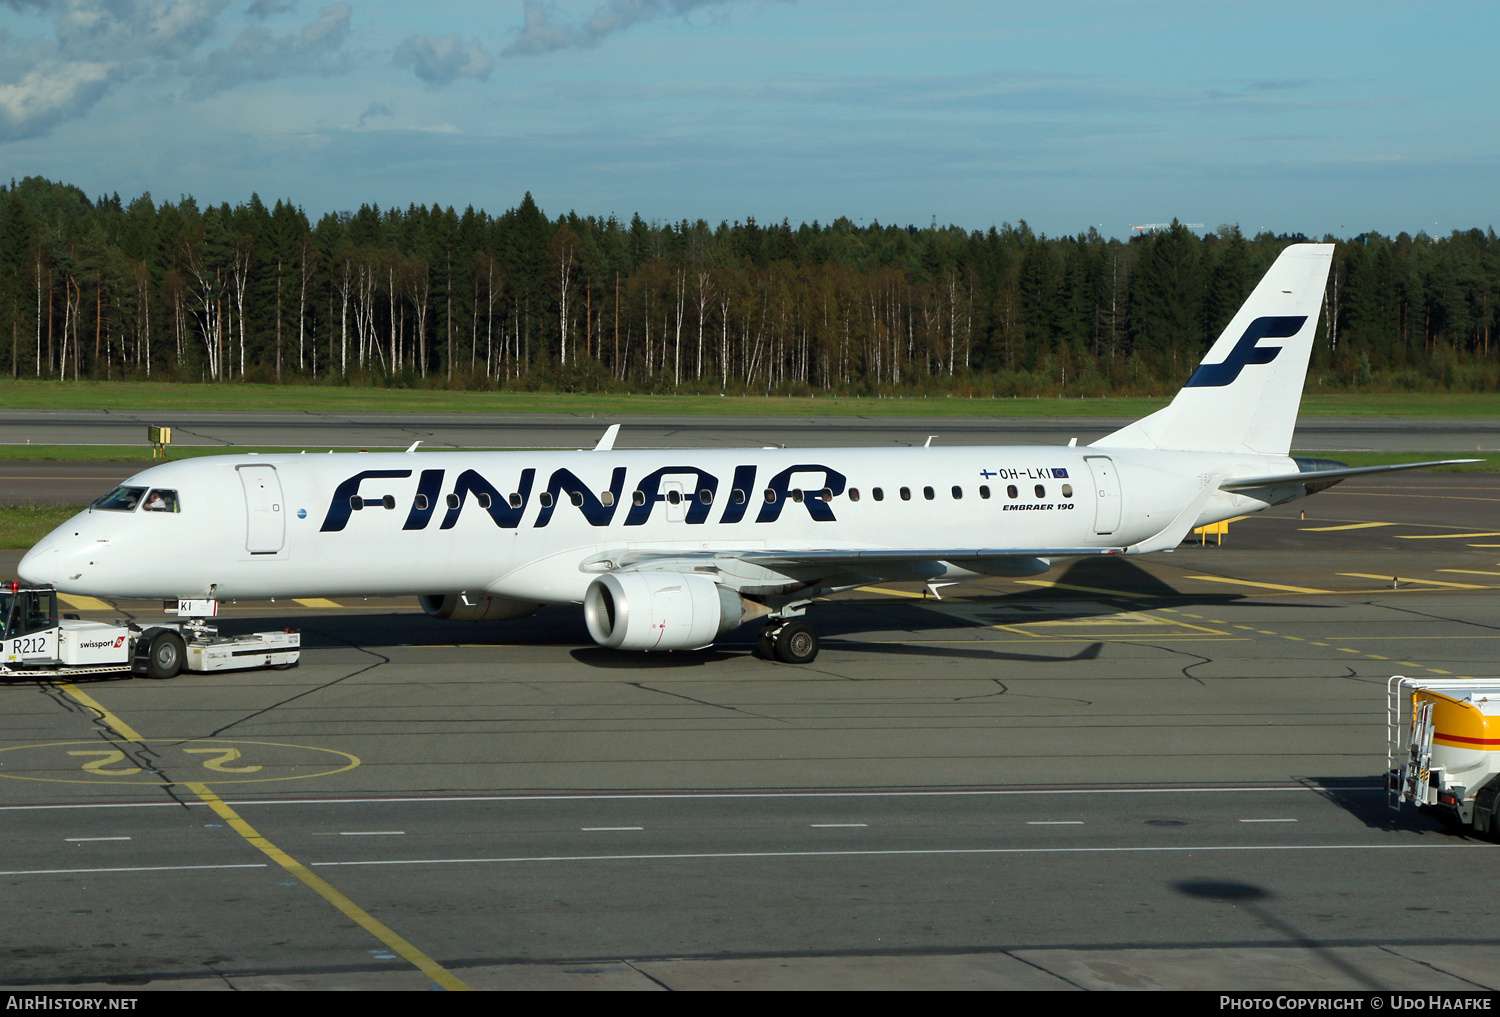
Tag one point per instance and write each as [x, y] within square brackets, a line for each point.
[706, 496]
[577, 498]
[770, 496]
[161, 501]
[389, 501]
[515, 501]
[906, 494]
[545, 499]
[1011, 492]
[638, 498]
[854, 494]
[958, 492]
[737, 496]
[984, 490]
[420, 501]
[483, 500]
[797, 496]
[1067, 490]
[878, 493]
[121, 499]
[1041, 492]
[928, 493]
[674, 497]
[453, 501]
[827, 494]
[356, 502]
[606, 498]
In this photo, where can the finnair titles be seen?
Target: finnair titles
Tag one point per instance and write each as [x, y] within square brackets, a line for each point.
[668, 550]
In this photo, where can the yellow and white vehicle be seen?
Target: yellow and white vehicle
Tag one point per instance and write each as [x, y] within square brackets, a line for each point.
[1443, 748]
[35, 643]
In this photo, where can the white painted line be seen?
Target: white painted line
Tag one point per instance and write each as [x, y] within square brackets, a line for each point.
[82, 840]
[372, 833]
[608, 829]
[137, 868]
[1054, 822]
[928, 851]
[440, 799]
[838, 826]
[1268, 821]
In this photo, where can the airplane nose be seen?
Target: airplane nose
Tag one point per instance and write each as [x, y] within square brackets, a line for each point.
[39, 566]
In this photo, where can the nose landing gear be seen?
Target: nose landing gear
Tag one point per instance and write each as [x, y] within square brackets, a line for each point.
[791, 642]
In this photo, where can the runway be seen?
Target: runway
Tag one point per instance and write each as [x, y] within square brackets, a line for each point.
[1118, 774]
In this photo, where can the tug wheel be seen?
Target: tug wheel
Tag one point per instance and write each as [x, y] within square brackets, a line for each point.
[165, 655]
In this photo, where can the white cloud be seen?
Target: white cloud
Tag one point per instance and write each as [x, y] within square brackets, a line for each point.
[95, 46]
[539, 34]
[440, 59]
[50, 93]
[258, 54]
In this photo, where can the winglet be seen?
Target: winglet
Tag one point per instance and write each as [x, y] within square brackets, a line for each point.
[607, 442]
[414, 446]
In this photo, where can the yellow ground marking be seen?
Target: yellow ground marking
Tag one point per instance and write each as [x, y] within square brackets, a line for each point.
[1442, 536]
[1084, 589]
[429, 967]
[110, 720]
[84, 603]
[1484, 545]
[1435, 670]
[316, 602]
[1263, 586]
[424, 963]
[1346, 526]
[873, 589]
[1424, 582]
[1316, 643]
[1470, 572]
[1377, 656]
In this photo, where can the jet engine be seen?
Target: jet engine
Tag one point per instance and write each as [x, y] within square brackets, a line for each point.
[475, 607]
[662, 610]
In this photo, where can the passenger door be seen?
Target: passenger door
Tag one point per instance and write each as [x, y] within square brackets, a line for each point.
[265, 522]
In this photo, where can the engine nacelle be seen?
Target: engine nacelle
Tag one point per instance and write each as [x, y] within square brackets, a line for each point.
[662, 610]
[475, 607]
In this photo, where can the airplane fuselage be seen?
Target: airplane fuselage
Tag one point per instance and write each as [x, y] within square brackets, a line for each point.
[524, 524]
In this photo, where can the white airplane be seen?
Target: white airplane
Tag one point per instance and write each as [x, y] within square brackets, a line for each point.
[667, 550]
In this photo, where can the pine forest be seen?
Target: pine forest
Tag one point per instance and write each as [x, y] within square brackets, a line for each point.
[434, 297]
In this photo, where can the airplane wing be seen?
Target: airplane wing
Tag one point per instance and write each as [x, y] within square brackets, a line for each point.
[1325, 476]
[842, 557]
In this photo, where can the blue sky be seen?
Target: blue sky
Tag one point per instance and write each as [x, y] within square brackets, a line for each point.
[1314, 117]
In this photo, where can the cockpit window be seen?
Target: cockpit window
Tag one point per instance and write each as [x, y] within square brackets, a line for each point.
[161, 500]
[121, 499]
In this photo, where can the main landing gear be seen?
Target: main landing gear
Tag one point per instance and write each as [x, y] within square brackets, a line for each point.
[791, 642]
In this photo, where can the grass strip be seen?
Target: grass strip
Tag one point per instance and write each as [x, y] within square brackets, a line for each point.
[143, 398]
[21, 526]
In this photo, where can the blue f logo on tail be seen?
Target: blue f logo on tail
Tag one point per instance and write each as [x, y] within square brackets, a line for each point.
[1246, 352]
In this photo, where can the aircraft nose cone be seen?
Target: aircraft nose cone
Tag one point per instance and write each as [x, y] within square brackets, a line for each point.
[39, 565]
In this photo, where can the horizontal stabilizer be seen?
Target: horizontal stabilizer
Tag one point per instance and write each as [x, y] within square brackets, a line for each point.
[1325, 476]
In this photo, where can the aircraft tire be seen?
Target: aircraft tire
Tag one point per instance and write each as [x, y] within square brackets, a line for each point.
[765, 646]
[165, 655]
[797, 643]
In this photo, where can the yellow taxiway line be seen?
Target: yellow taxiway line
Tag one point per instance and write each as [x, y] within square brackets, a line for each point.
[1264, 586]
[432, 969]
[1423, 582]
[1346, 526]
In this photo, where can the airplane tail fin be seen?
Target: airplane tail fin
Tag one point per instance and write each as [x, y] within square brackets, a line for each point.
[1244, 395]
